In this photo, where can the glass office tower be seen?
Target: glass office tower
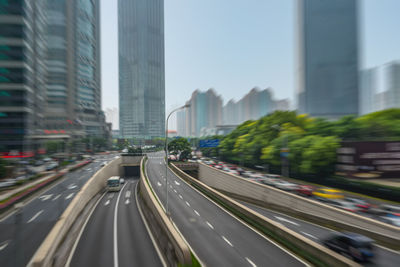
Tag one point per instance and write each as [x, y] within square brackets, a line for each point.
[328, 58]
[141, 68]
[22, 76]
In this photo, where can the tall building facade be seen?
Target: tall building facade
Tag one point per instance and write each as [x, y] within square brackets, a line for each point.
[73, 87]
[141, 68]
[368, 88]
[393, 84]
[22, 76]
[328, 58]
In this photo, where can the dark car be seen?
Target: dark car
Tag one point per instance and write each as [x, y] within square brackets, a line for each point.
[357, 246]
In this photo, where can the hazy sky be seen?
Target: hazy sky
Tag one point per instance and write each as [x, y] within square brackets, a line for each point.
[234, 45]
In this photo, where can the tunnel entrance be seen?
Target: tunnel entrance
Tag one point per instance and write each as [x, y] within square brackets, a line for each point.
[130, 171]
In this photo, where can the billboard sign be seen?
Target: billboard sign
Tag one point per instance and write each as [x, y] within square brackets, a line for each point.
[209, 143]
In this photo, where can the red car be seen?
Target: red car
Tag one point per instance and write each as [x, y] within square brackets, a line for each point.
[305, 190]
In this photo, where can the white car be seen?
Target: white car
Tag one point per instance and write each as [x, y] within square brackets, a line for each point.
[284, 185]
[270, 181]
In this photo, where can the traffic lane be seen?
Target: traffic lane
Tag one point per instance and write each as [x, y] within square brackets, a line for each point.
[95, 246]
[383, 256]
[235, 243]
[135, 247]
[36, 220]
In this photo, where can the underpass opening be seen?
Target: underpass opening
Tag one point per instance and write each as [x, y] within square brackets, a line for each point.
[131, 171]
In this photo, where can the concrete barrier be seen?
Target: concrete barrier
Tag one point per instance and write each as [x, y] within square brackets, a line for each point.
[290, 203]
[170, 241]
[44, 256]
[308, 249]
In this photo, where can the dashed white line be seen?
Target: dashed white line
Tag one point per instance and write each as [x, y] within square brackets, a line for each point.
[3, 245]
[198, 214]
[210, 225]
[175, 191]
[286, 220]
[170, 186]
[177, 183]
[128, 194]
[310, 235]
[187, 203]
[227, 241]
[127, 201]
[35, 216]
[70, 195]
[251, 263]
[45, 197]
[180, 196]
[107, 202]
[159, 184]
[56, 197]
[72, 186]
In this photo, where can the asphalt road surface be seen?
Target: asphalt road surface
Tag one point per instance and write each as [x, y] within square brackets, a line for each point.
[383, 256]
[115, 234]
[215, 236]
[22, 232]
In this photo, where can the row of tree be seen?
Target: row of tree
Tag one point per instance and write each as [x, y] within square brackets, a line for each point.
[311, 142]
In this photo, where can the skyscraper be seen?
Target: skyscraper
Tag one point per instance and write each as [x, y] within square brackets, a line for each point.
[368, 88]
[22, 76]
[393, 84]
[73, 87]
[328, 58]
[141, 68]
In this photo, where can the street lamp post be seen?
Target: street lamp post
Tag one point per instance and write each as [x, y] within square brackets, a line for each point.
[166, 154]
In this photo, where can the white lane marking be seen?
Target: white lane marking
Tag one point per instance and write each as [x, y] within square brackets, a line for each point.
[128, 194]
[35, 216]
[115, 228]
[72, 186]
[187, 203]
[310, 235]
[180, 196]
[70, 195]
[3, 245]
[251, 263]
[56, 197]
[158, 183]
[177, 183]
[160, 163]
[198, 214]
[107, 202]
[111, 195]
[170, 186]
[45, 197]
[175, 191]
[127, 201]
[227, 241]
[210, 225]
[286, 220]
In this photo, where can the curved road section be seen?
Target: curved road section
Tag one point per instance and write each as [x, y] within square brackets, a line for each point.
[214, 235]
[22, 233]
[115, 234]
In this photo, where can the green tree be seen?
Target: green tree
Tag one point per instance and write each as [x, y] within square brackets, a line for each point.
[180, 147]
[53, 146]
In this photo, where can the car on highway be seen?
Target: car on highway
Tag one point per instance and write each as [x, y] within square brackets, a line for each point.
[270, 181]
[359, 247]
[361, 204]
[122, 180]
[247, 174]
[285, 185]
[52, 165]
[305, 190]
[341, 204]
[393, 220]
[7, 183]
[327, 194]
[103, 164]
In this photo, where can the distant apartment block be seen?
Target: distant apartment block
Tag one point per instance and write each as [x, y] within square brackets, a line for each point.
[393, 84]
[112, 116]
[328, 58]
[207, 116]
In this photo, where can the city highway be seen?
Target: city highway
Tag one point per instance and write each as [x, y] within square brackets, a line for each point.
[22, 233]
[383, 257]
[115, 234]
[215, 236]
